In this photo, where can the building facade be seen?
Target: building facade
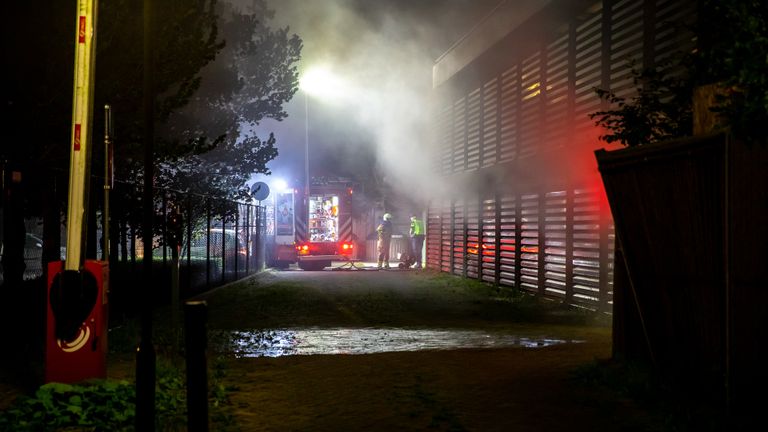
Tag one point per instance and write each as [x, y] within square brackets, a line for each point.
[511, 105]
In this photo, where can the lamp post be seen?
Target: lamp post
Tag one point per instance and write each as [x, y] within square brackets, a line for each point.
[306, 148]
[321, 82]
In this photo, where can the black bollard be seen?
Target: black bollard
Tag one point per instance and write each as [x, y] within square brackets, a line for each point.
[196, 341]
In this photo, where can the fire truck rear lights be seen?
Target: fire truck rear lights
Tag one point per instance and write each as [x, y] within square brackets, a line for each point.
[345, 248]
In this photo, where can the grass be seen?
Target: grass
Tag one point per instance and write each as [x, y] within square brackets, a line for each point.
[111, 404]
[417, 298]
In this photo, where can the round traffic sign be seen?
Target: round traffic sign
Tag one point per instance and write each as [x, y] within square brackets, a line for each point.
[260, 191]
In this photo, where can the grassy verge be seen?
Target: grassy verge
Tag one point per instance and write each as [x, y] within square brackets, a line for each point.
[423, 298]
[109, 405]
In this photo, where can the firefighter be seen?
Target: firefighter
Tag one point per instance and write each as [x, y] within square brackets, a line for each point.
[384, 231]
[417, 239]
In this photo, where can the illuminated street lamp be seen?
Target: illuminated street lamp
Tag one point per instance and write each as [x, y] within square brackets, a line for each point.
[320, 81]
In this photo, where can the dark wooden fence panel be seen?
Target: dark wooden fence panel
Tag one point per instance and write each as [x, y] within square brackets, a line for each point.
[690, 217]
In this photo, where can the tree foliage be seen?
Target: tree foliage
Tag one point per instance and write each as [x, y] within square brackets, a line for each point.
[217, 70]
[735, 37]
[251, 79]
[660, 109]
[732, 50]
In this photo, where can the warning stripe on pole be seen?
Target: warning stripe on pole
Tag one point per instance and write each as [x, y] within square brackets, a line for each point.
[82, 114]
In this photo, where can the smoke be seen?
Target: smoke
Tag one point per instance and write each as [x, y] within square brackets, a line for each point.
[381, 56]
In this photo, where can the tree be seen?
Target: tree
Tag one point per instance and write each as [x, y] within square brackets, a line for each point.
[660, 109]
[732, 51]
[255, 65]
[207, 110]
[41, 74]
[39, 102]
[251, 79]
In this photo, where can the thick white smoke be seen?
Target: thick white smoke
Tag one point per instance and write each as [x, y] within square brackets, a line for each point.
[380, 55]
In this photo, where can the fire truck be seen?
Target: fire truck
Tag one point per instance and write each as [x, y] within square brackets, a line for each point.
[313, 229]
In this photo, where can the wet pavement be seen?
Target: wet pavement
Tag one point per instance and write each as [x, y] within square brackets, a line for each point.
[340, 341]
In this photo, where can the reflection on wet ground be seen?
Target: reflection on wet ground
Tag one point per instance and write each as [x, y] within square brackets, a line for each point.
[310, 341]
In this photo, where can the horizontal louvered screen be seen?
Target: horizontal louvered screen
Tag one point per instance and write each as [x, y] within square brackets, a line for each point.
[490, 137]
[555, 241]
[446, 242]
[488, 244]
[510, 95]
[507, 239]
[586, 246]
[473, 241]
[433, 235]
[474, 110]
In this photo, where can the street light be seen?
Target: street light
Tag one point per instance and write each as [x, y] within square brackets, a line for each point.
[328, 87]
[321, 82]
[306, 147]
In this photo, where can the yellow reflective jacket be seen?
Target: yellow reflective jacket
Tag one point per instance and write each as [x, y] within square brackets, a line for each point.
[417, 227]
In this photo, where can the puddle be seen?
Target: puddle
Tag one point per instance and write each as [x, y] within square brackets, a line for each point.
[312, 341]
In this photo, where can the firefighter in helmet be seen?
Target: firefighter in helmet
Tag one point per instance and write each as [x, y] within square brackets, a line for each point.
[384, 231]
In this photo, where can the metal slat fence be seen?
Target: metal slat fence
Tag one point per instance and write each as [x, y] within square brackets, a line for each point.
[529, 107]
[565, 240]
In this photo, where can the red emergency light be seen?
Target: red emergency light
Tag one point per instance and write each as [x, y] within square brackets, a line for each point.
[326, 248]
[346, 248]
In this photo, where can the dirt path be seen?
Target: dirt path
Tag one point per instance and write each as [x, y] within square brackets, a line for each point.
[509, 389]
[480, 390]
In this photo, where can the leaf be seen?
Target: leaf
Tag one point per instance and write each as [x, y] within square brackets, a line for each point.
[56, 388]
[75, 409]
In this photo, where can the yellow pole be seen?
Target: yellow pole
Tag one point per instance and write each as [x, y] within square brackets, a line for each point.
[82, 116]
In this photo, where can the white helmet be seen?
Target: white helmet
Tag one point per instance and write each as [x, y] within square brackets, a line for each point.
[387, 216]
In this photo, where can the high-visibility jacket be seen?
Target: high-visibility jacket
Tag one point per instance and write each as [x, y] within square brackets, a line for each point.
[417, 227]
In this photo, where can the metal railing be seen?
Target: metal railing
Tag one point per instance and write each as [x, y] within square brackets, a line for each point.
[217, 241]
